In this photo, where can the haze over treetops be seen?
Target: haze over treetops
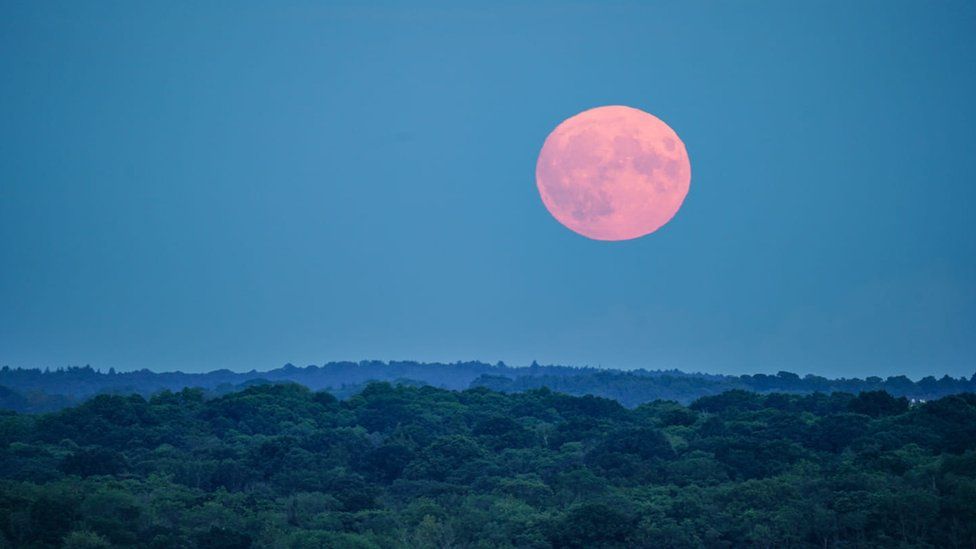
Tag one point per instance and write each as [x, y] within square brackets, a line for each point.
[40, 390]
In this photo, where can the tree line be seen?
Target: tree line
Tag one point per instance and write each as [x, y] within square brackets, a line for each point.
[35, 390]
[280, 465]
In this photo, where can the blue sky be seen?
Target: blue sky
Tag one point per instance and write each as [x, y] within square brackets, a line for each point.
[196, 185]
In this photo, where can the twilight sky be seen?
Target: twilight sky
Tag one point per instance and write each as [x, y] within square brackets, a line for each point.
[191, 187]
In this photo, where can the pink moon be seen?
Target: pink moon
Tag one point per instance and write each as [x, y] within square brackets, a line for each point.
[613, 173]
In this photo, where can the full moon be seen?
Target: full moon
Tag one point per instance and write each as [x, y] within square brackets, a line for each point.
[613, 173]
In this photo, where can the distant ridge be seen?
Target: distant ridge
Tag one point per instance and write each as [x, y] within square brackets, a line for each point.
[34, 390]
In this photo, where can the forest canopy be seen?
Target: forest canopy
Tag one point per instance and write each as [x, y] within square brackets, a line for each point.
[406, 466]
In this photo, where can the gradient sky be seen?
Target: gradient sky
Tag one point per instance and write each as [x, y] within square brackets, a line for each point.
[200, 187]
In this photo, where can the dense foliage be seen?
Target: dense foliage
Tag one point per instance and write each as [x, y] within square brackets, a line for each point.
[398, 466]
[33, 390]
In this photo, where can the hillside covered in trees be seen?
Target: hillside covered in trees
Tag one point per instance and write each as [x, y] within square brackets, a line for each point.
[33, 390]
[404, 466]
